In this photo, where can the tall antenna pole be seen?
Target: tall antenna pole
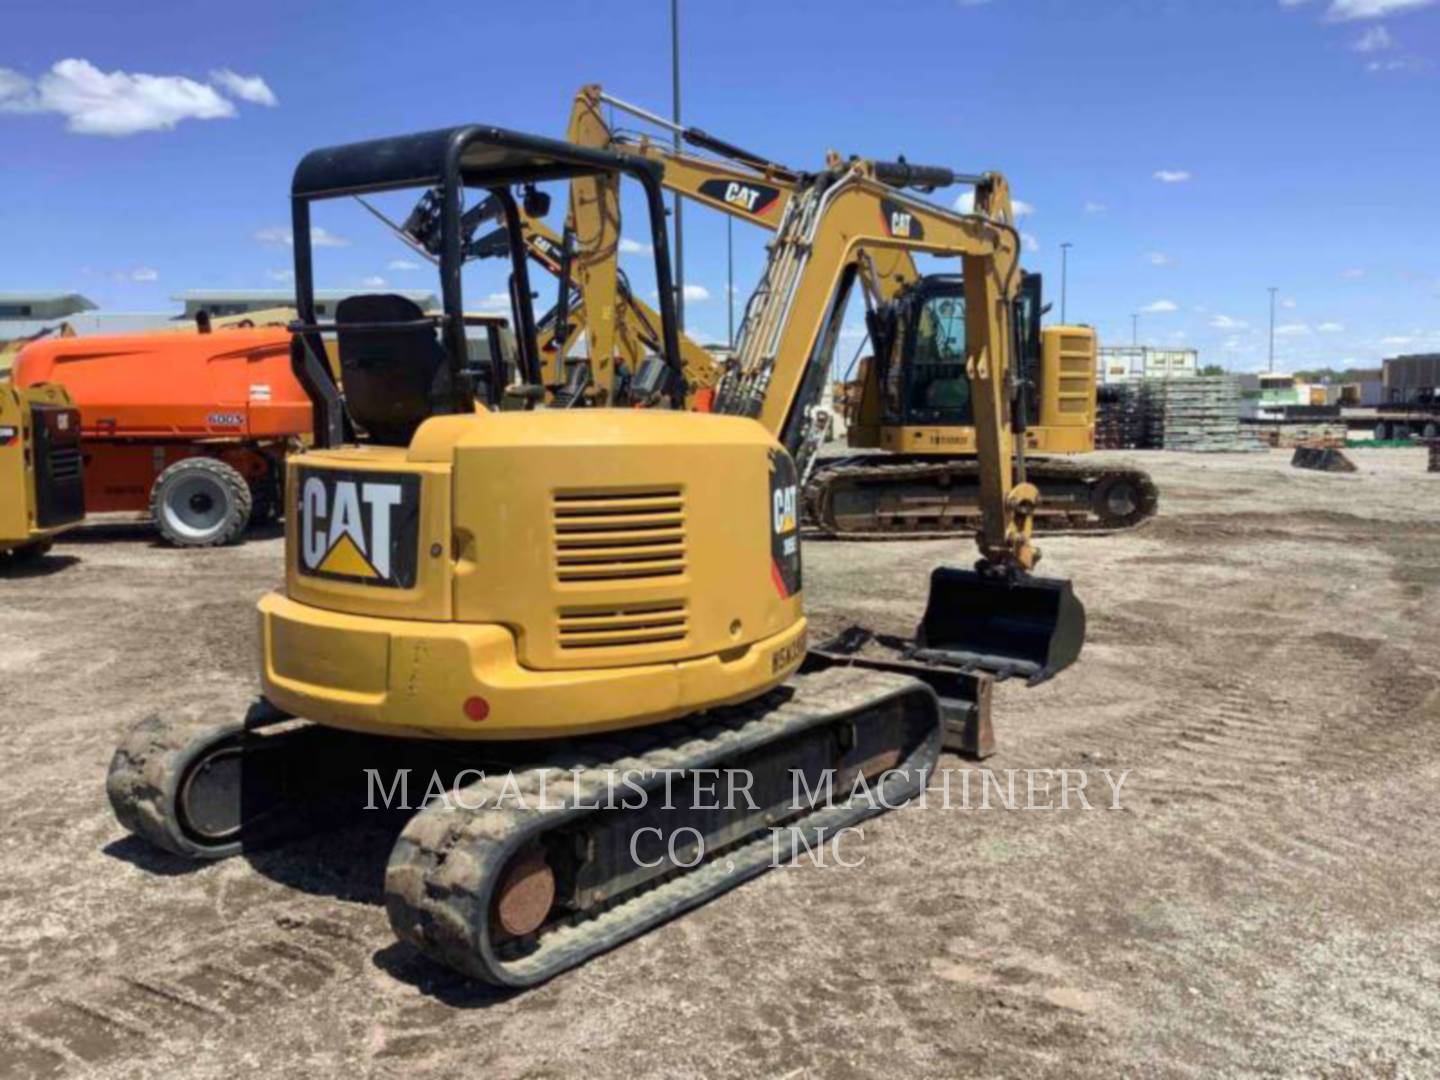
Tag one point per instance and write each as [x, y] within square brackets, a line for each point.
[1064, 267]
[730, 280]
[675, 95]
[1134, 329]
[1272, 327]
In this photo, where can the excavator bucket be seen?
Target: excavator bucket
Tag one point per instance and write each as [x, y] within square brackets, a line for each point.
[1029, 627]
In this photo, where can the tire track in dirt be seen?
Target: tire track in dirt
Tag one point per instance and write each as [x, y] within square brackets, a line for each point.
[239, 976]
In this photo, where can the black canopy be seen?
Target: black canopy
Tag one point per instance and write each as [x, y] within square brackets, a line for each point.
[475, 154]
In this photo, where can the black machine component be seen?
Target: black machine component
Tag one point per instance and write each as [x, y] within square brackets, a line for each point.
[59, 479]
[394, 372]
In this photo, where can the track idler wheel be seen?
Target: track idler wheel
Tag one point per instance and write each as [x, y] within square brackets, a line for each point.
[1121, 502]
[204, 791]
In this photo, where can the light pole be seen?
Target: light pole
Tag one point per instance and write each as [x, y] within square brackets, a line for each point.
[1134, 330]
[1064, 266]
[730, 280]
[1272, 328]
[675, 95]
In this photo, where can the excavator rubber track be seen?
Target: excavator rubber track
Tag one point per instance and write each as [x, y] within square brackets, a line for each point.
[889, 497]
[447, 882]
[204, 790]
[210, 791]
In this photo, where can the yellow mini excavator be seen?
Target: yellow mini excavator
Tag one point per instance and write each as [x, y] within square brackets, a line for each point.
[913, 400]
[42, 492]
[587, 617]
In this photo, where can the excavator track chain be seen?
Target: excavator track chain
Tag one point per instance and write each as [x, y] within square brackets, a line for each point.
[565, 863]
[205, 790]
[874, 497]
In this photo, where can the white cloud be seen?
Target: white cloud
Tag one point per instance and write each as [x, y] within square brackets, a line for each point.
[140, 273]
[1346, 10]
[496, 301]
[1092, 207]
[1397, 339]
[251, 88]
[1160, 307]
[1294, 329]
[1386, 65]
[12, 84]
[278, 234]
[402, 264]
[1171, 176]
[1375, 39]
[1355, 273]
[374, 281]
[696, 293]
[1159, 258]
[1029, 242]
[1225, 322]
[280, 275]
[634, 247]
[1331, 328]
[1288, 303]
[95, 102]
[965, 204]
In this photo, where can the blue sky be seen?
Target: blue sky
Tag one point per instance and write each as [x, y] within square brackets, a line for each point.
[1194, 152]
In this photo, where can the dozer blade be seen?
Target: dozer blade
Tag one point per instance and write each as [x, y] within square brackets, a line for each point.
[1027, 627]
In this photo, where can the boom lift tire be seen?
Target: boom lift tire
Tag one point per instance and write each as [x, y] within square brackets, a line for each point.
[201, 502]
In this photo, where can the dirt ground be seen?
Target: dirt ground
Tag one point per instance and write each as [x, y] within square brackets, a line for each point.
[1262, 657]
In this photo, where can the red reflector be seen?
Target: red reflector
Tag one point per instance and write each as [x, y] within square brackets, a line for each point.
[476, 708]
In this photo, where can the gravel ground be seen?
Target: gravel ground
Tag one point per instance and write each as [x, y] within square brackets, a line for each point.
[1261, 658]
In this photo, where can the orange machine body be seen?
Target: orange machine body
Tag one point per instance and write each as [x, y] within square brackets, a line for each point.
[148, 400]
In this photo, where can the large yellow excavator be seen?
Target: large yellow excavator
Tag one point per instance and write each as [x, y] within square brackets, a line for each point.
[588, 620]
[913, 399]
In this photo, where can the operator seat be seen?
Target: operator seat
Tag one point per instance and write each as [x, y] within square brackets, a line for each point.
[394, 378]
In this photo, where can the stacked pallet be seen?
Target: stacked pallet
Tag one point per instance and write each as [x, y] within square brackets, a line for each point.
[1200, 413]
[1119, 418]
[1289, 434]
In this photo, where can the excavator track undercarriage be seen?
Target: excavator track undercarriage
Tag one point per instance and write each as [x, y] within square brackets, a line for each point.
[893, 497]
[542, 864]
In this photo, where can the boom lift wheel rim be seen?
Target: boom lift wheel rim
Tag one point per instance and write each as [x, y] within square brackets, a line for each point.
[194, 506]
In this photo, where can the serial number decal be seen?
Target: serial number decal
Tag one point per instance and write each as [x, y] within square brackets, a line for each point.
[787, 656]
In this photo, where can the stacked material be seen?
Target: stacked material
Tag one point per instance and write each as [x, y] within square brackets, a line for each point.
[1119, 418]
[1199, 413]
[1288, 435]
[1435, 455]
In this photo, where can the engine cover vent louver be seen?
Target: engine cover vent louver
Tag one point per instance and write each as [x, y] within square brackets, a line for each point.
[623, 624]
[609, 535]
